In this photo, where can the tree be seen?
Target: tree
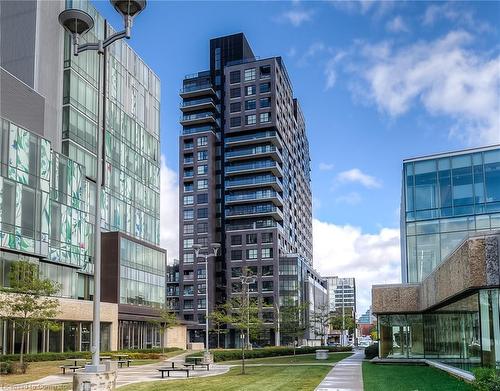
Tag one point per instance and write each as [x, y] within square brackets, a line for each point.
[27, 301]
[292, 322]
[320, 321]
[243, 315]
[374, 333]
[336, 323]
[166, 320]
[219, 318]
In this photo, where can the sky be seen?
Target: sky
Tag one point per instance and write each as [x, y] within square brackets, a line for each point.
[377, 81]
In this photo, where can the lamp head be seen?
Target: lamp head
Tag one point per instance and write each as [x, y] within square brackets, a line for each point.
[129, 7]
[196, 248]
[76, 21]
[215, 247]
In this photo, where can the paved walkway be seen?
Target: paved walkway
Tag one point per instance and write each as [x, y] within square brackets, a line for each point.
[346, 375]
[135, 374]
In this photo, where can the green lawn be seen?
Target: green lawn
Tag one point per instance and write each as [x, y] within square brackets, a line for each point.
[298, 359]
[378, 377]
[284, 378]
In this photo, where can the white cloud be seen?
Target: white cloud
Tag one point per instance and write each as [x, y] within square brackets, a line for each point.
[330, 69]
[296, 16]
[457, 13]
[355, 175]
[374, 8]
[169, 210]
[352, 198]
[443, 75]
[326, 166]
[346, 251]
[397, 25]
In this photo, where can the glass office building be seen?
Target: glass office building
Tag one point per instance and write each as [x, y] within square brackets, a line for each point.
[445, 198]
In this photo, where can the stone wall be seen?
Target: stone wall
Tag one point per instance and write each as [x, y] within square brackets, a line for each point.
[176, 337]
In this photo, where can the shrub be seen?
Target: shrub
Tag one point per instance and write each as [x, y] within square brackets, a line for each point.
[487, 379]
[5, 367]
[142, 354]
[235, 354]
[371, 351]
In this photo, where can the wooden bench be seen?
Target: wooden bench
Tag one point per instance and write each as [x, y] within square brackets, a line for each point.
[168, 370]
[121, 362]
[187, 365]
[72, 367]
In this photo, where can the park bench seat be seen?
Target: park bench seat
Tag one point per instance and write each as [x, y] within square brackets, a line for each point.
[121, 362]
[72, 367]
[169, 369]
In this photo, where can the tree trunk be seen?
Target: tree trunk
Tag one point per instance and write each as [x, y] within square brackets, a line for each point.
[21, 356]
[163, 341]
[242, 356]
[218, 339]
[294, 346]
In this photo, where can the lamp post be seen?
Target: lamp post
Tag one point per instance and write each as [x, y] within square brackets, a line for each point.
[247, 280]
[197, 254]
[78, 23]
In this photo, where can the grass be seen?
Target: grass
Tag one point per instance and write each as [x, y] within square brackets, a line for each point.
[286, 378]
[299, 359]
[377, 377]
[37, 370]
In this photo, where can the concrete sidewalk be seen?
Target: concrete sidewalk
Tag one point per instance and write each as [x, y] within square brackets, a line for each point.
[346, 375]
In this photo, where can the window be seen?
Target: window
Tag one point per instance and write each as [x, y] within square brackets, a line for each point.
[202, 155]
[188, 244]
[264, 102]
[188, 144]
[251, 238]
[265, 117]
[202, 170]
[202, 198]
[250, 90]
[188, 214]
[202, 184]
[188, 158]
[265, 71]
[188, 257]
[236, 255]
[267, 253]
[250, 104]
[202, 288]
[200, 274]
[188, 304]
[267, 286]
[235, 92]
[250, 74]
[188, 173]
[188, 228]
[267, 237]
[250, 119]
[267, 270]
[267, 300]
[235, 240]
[202, 213]
[203, 242]
[188, 200]
[235, 121]
[235, 107]
[202, 228]
[234, 77]
[236, 271]
[252, 253]
[265, 87]
[201, 305]
[202, 141]
[188, 186]
[236, 287]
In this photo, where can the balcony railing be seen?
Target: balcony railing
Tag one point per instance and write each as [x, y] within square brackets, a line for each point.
[197, 104]
[252, 151]
[252, 137]
[254, 196]
[252, 166]
[268, 223]
[257, 180]
[198, 129]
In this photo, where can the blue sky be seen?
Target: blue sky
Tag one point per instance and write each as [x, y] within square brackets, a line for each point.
[378, 82]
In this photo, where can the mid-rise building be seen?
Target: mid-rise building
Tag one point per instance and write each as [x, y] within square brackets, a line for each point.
[50, 120]
[445, 198]
[244, 181]
[341, 294]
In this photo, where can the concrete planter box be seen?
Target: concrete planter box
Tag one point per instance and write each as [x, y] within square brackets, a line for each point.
[321, 354]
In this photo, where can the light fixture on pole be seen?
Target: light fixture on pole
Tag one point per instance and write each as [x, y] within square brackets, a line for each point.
[78, 23]
[247, 280]
[197, 254]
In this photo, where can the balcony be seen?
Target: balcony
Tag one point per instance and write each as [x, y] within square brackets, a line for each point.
[265, 195]
[194, 119]
[255, 166]
[246, 225]
[270, 136]
[194, 90]
[250, 153]
[198, 129]
[255, 211]
[269, 180]
[197, 104]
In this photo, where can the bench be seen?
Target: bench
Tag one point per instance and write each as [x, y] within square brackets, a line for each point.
[168, 370]
[121, 362]
[72, 367]
[187, 365]
[204, 365]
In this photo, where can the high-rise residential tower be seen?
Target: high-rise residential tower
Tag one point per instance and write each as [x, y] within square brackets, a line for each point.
[245, 183]
[48, 140]
[445, 198]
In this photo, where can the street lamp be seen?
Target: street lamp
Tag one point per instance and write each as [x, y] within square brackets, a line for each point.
[78, 23]
[247, 280]
[197, 254]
